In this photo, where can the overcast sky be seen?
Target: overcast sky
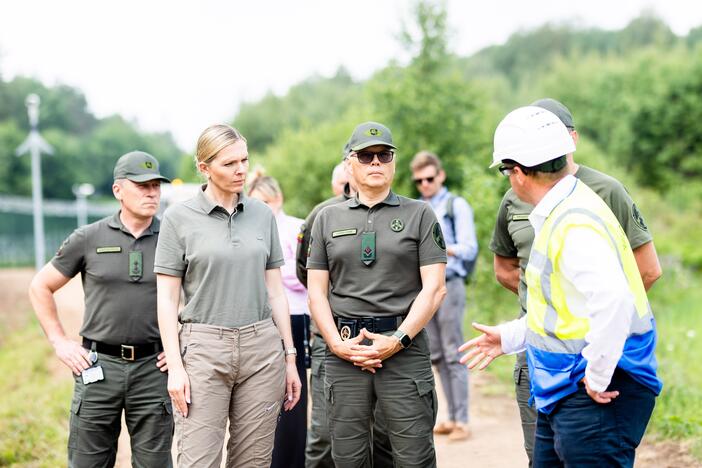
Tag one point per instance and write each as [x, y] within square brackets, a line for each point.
[180, 66]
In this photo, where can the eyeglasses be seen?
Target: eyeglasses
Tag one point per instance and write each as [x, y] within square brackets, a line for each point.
[506, 170]
[420, 180]
[366, 157]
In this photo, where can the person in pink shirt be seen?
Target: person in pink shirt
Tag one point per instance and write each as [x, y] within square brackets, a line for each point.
[291, 433]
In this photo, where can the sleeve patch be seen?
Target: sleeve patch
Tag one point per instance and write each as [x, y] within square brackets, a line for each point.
[638, 218]
[438, 236]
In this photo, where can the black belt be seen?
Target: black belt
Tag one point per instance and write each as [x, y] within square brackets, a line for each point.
[350, 327]
[126, 352]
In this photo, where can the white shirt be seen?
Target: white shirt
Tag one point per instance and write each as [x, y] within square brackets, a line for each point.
[595, 287]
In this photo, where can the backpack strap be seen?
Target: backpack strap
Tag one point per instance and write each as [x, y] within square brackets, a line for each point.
[449, 212]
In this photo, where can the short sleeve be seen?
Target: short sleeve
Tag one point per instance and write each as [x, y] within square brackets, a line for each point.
[275, 259]
[432, 246]
[70, 257]
[170, 250]
[629, 216]
[501, 242]
[317, 250]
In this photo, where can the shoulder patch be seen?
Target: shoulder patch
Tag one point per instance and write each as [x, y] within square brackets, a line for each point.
[63, 244]
[108, 249]
[438, 236]
[638, 218]
[345, 232]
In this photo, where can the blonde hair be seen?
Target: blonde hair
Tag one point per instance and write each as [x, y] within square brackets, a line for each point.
[267, 185]
[425, 159]
[213, 140]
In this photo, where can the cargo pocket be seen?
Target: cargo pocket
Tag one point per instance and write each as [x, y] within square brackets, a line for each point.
[166, 427]
[74, 425]
[427, 395]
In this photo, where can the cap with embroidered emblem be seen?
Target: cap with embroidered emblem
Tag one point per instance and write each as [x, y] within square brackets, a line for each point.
[138, 166]
[370, 134]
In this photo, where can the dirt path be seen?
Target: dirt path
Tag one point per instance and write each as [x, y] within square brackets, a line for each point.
[496, 434]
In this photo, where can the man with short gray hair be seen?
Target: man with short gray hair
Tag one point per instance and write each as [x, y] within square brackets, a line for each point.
[119, 366]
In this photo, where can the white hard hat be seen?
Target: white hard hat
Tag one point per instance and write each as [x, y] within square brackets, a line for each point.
[530, 136]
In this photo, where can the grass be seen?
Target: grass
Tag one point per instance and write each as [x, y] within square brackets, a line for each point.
[677, 305]
[33, 404]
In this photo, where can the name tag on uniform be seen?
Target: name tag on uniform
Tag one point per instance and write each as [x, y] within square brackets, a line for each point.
[108, 249]
[520, 217]
[92, 374]
[345, 232]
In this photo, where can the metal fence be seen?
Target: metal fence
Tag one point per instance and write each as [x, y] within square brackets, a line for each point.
[60, 219]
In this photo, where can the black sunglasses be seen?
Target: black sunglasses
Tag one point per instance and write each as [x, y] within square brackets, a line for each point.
[429, 180]
[366, 157]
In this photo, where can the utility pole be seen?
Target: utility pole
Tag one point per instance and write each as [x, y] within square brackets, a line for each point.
[35, 145]
[82, 192]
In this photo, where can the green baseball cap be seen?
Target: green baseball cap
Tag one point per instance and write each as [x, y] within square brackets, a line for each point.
[557, 108]
[370, 134]
[137, 166]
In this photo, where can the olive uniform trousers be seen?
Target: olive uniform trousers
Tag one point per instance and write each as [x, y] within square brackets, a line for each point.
[403, 390]
[140, 389]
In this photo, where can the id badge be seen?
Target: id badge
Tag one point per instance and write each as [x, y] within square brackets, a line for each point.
[92, 374]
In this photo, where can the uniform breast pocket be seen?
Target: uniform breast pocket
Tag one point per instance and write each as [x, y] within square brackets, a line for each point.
[348, 243]
[108, 266]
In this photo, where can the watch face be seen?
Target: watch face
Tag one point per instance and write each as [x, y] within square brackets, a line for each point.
[405, 341]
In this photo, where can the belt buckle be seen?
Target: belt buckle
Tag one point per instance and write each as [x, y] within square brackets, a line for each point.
[131, 351]
[345, 332]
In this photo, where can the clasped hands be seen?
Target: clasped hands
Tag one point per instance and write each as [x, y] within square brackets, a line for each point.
[367, 357]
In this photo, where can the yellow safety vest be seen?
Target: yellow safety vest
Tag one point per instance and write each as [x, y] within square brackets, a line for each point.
[555, 333]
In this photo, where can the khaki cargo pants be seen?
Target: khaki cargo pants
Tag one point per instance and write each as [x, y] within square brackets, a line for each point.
[404, 391]
[236, 374]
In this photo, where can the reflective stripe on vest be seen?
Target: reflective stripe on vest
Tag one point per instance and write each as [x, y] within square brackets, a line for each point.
[551, 324]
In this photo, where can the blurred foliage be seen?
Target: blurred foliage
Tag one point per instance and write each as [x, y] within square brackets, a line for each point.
[312, 102]
[85, 147]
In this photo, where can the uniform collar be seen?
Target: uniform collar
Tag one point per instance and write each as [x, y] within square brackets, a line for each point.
[390, 200]
[553, 197]
[116, 223]
[208, 206]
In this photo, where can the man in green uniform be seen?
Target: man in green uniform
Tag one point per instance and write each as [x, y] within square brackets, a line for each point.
[318, 450]
[376, 272]
[119, 365]
[513, 237]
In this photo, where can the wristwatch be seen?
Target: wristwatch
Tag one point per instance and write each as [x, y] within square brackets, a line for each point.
[405, 340]
[289, 351]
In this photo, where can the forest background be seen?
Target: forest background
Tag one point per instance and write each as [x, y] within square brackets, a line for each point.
[636, 96]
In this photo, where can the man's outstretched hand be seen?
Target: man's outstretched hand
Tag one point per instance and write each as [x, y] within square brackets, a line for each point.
[482, 349]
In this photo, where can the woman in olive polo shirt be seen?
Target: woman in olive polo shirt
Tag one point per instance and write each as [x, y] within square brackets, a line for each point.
[223, 250]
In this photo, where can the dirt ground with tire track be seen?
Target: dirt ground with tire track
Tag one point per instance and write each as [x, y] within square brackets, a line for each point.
[496, 439]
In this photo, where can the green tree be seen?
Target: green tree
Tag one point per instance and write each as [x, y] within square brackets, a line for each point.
[309, 103]
[668, 140]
